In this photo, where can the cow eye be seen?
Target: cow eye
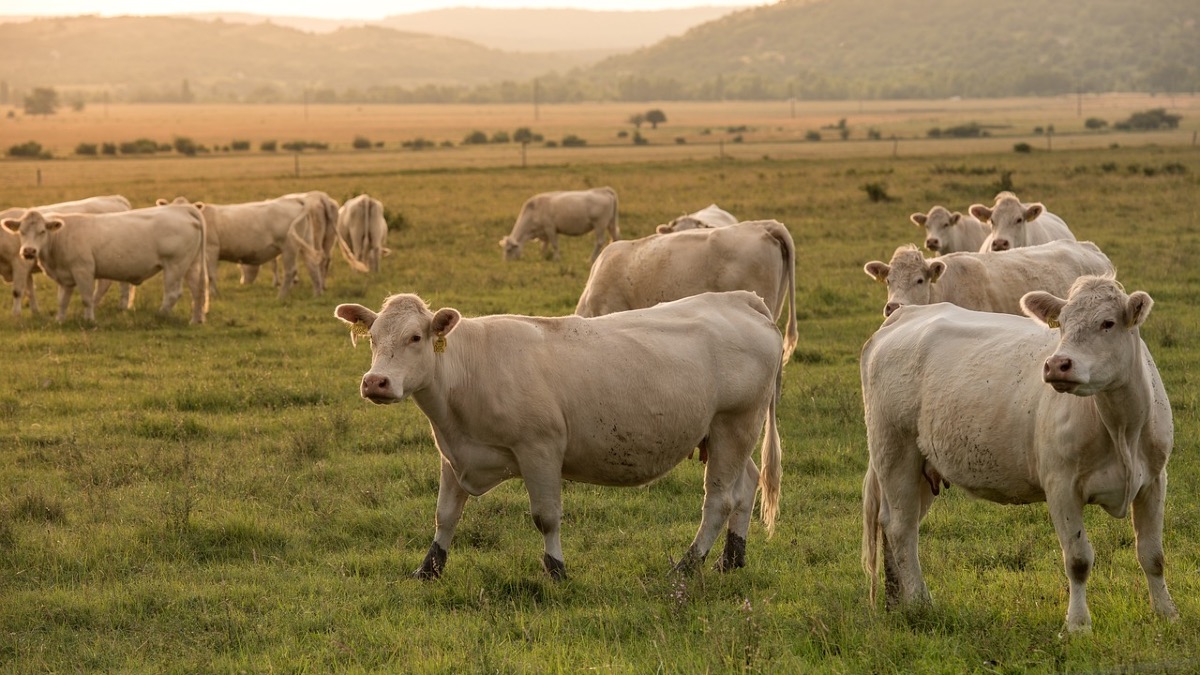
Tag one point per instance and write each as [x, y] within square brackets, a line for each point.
[415, 338]
[1107, 324]
[920, 281]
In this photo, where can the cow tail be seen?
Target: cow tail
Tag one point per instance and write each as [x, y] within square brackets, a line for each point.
[792, 335]
[772, 459]
[872, 506]
[299, 238]
[614, 230]
[202, 260]
[348, 253]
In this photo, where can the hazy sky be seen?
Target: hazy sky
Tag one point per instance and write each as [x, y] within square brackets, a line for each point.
[346, 9]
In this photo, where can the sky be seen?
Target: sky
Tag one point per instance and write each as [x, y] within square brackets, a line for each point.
[345, 9]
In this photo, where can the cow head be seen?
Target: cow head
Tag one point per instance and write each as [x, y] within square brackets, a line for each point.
[937, 224]
[406, 341]
[909, 277]
[512, 248]
[1099, 334]
[34, 230]
[1007, 219]
[680, 224]
[177, 200]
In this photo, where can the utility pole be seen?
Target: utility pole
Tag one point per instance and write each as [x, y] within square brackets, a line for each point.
[535, 99]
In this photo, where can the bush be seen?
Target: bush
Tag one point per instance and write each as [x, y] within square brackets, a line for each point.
[1094, 124]
[268, 146]
[1022, 147]
[573, 141]
[501, 137]
[680, 140]
[301, 146]
[551, 144]
[108, 148]
[240, 145]
[1149, 120]
[622, 134]
[361, 143]
[874, 134]
[639, 139]
[185, 146]
[28, 149]
[877, 192]
[812, 135]
[142, 146]
[418, 144]
[88, 149]
[475, 138]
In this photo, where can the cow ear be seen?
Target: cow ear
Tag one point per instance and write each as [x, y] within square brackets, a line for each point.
[877, 270]
[444, 321]
[662, 229]
[919, 219]
[936, 269]
[1042, 306]
[1034, 211]
[1137, 308]
[360, 319]
[503, 242]
[955, 217]
[52, 225]
[199, 205]
[981, 212]
[12, 225]
[161, 202]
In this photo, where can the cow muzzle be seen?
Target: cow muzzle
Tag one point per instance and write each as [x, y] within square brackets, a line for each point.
[378, 389]
[932, 245]
[1059, 372]
[1001, 245]
[889, 308]
[28, 253]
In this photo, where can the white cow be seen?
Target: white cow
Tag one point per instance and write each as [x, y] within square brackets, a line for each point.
[1068, 409]
[17, 270]
[987, 282]
[254, 233]
[362, 233]
[1014, 224]
[709, 216]
[757, 255]
[544, 399]
[75, 249]
[574, 213]
[947, 232]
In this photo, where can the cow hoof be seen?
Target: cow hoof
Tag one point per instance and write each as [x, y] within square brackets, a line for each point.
[555, 568]
[734, 555]
[432, 566]
[690, 562]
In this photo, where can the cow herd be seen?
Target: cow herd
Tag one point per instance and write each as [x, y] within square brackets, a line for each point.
[1010, 365]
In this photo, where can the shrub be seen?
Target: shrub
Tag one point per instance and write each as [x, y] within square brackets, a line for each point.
[877, 192]
[89, 149]
[475, 138]
[108, 148]
[1095, 123]
[622, 134]
[418, 144]
[300, 146]
[573, 141]
[551, 144]
[142, 146]
[812, 135]
[185, 146]
[268, 146]
[501, 137]
[1022, 147]
[1149, 120]
[361, 143]
[874, 134]
[680, 140]
[28, 149]
[240, 145]
[639, 139]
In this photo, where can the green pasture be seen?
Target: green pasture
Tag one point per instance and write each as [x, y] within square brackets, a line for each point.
[219, 498]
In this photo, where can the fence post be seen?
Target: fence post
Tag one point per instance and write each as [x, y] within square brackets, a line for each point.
[296, 163]
[39, 174]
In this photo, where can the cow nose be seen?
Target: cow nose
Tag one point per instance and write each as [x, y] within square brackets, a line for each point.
[889, 308]
[28, 253]
[1056, 366]
[1000, 245]
[932, 244]
[375, 386]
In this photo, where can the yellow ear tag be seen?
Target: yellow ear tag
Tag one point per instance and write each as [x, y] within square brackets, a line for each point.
[1053, 323]
[357, 330]
[439, 344]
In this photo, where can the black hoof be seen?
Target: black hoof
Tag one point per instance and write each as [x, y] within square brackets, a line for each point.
[690, 562]
[734, 556]
[434, 563]
[555, 568]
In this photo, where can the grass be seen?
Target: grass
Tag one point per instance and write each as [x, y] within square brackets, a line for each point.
[177, 498]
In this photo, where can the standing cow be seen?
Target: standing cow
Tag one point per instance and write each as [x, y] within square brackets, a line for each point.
[574, 213]
[987, 282]
[544, 399]
[1014, 224]
[1068, 409]
[709, 216]
[19, 271]
[757, 255]
[362, 233]
[76, 249]
[947, 232]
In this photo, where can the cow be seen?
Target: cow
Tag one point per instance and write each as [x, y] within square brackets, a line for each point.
[987, 282]
[253, 233]
[542, 399]
[947, 232]
[17, 270]
[75, 249]
[574, 212]
[757, 255]
[362, 233]
[1068, 409]
[709, 216]
[1014, 224]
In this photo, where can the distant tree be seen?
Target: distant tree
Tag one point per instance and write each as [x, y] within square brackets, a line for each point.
[31, 149]
[637, 120]
[475, 138]
[86, 149]
[185, 146]
[500, 137]
[361, 143]
[522, 135]
[43, 101]
[1095, 123]
[655, 117]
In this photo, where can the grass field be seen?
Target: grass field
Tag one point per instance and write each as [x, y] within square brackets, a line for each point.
[177, 498]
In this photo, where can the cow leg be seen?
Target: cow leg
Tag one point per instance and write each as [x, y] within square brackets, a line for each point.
[1147, 530]
[250, 272]
[315, 274]
[172, 288]
[212, 255]
[452, 498]
[1066, 511]
[289, 270]
[64, 299]
[543, 482]
[198, 286]
[730, 441]
[907, 496]
[128, 293]
[734, 555]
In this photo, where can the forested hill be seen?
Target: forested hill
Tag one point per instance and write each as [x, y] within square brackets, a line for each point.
[920, 49]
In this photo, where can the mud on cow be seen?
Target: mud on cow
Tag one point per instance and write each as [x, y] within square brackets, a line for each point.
[1014, 224]
[573, 213]
[76, 249]
[757, 255]
[947, 232]
[1068, 409]
[362, 233]
[19, 271]
[540, 399]
[709, 216]
[987, 282]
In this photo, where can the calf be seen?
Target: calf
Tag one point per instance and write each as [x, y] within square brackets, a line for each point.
[573, 213]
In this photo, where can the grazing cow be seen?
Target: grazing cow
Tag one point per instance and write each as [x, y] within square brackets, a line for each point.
[254, 233]
[987, 282]
[756, 255]
[541, 399]
[16, 269]
[947, 232]
[1014, 224]
[574, 213]
[1070, 411]
[75, 249]
[709, 216]
[362, 233]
